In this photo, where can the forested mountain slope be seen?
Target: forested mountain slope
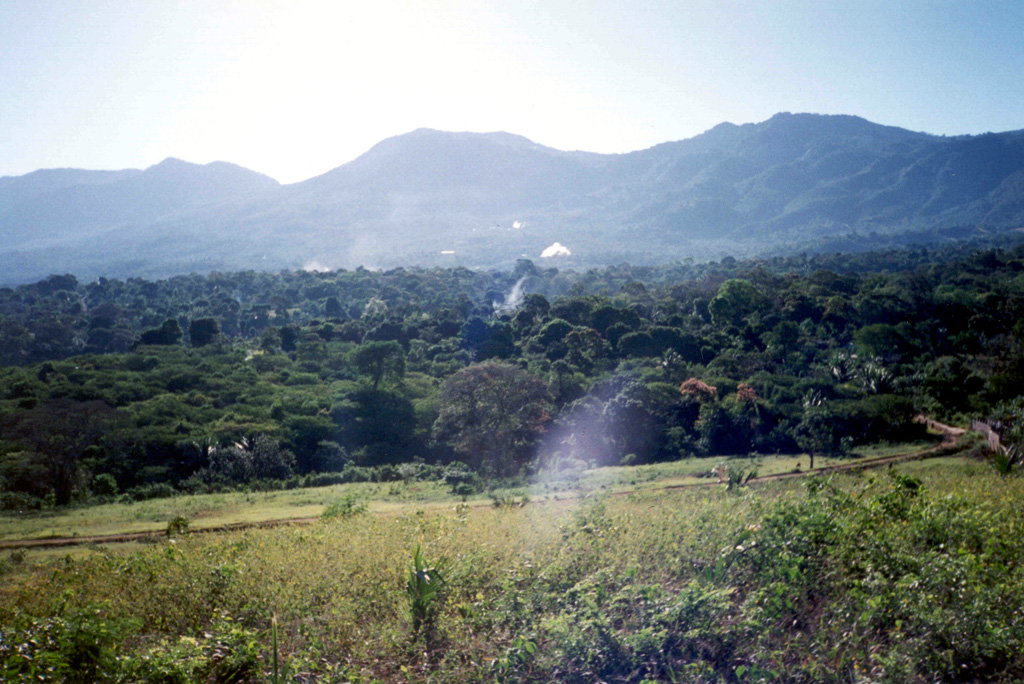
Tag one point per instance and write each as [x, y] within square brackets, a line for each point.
[796, 182]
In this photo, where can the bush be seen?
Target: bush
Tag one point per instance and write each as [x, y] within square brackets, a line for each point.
[77, 647]
[347, 507]
[20, 501]
[460, 478]
[177, 526]
[227, 652]
[463, 489]
[104, 484]
[158, 490]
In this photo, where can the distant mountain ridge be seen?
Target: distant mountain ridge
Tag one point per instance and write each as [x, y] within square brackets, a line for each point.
[793, 182]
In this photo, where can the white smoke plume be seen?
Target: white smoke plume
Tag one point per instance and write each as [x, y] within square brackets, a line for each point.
[315, 266]
[513, 300]
[557, 249]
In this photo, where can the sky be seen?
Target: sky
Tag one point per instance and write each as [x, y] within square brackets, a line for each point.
[295, 88]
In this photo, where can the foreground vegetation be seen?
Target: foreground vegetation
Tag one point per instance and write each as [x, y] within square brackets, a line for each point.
[910, 574]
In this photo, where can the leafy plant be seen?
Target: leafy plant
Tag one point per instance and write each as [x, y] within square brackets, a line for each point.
[509, 500]
[425, 591]
[739, 477]
[346, 507]
[78, 646]
[1007, 461]
[280, 672]
[177, 526]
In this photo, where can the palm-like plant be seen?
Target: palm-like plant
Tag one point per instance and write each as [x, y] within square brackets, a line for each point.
[1008, 459]
[424, 587]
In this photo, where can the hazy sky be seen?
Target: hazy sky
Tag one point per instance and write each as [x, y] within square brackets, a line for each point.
[293, 89]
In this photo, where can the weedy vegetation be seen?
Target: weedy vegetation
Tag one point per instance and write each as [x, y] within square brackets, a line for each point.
[911, 574]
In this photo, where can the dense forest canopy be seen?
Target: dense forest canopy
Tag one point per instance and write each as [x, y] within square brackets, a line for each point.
[200, 382]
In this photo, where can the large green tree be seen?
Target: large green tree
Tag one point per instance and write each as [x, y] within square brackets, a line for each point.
[491, 413]
[61, 433]
[380, 360]
[736, 299]
[203, 331]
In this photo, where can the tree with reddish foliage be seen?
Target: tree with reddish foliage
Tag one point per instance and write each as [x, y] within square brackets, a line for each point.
[699, 390]
[746, 393]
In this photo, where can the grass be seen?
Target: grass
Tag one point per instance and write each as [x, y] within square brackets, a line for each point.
[860, 576]
[213, 510]
[205, 511]
[697, 471]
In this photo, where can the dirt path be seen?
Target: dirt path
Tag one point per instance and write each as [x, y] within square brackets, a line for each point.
[950, 437]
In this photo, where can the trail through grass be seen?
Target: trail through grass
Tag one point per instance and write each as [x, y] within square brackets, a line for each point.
[206, 511]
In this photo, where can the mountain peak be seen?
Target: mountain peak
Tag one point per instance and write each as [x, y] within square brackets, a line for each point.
[175, 169]
[171, 163]
[465, 137]
[806, 123]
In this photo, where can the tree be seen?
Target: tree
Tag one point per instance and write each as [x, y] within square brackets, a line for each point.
[699, 390]
[261, 458]
[203, 331]
[554, 331]
[488, 340]
[380, 360]
[880, 340]
[167, 334]
[491, 413]
[332, 308]
[383, 425]
[305, 434]
[62, 433]
[586, 347]
[817, 431]
[736, 299]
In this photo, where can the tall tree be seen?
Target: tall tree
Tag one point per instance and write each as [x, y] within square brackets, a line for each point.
[380, 360]
[202, 331]
[491, 413]
[167, 334]
[61, 432]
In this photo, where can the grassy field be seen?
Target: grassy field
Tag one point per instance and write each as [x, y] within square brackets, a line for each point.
[213, 510]
[914, 573]
[218, 510]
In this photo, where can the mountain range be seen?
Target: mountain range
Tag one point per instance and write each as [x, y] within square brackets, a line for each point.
[796, 182]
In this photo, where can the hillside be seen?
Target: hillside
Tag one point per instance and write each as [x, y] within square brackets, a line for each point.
[796, 182]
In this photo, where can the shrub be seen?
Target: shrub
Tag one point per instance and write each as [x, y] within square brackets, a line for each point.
[20, 501]
[158, 490]
[346, 507]
[177, 526]
[424, 588]
[104, 484]
[77, 647]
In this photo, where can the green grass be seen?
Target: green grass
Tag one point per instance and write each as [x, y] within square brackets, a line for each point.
[217, 510]
[857, 576]
[213, 510]
[697, 471]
